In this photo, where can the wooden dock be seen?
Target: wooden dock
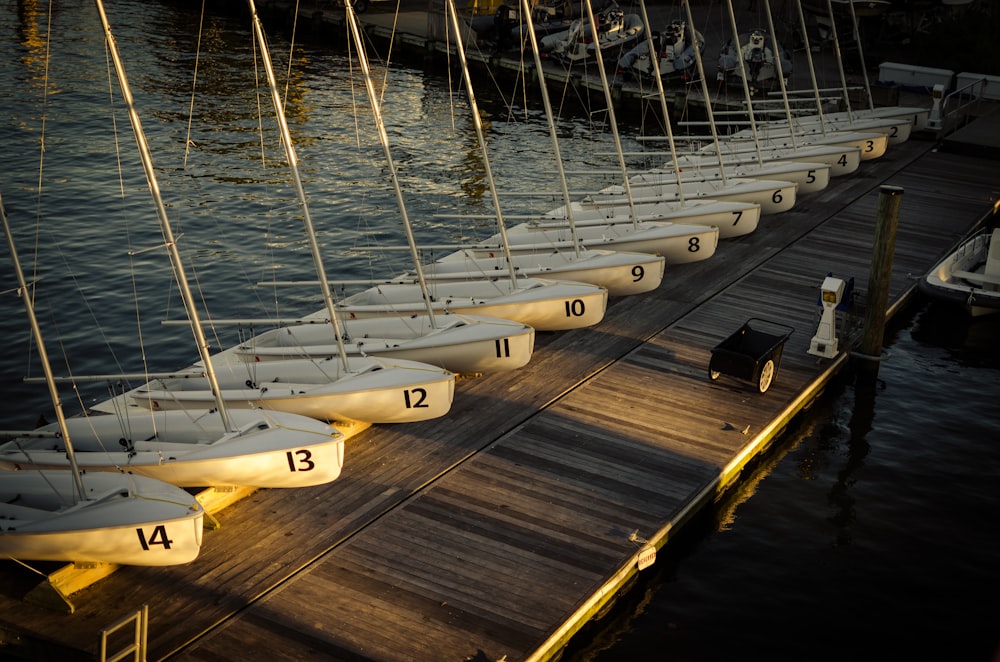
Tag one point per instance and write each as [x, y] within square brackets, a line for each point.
[504, 527]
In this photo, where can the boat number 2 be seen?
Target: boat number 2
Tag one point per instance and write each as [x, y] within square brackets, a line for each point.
[416, 398]
[158, 537]
[300, 460]
[575, 308]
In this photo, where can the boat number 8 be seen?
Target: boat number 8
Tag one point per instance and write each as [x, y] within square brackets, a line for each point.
[694, 245]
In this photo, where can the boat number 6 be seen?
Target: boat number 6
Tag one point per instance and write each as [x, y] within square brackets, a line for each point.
[777, 197]
[159, 537]
[575, 308]
[300, 460]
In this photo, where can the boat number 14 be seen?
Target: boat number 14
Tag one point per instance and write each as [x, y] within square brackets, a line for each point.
[158, 537]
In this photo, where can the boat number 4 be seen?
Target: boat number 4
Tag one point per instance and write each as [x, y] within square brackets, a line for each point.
[158, 537]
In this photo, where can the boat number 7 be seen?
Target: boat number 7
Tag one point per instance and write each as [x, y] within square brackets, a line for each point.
[300, 460]
[415, 399]
[159, 537]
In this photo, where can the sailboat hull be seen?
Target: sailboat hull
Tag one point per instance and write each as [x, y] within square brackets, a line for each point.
[842, 159]
[809, 177]
[678, 243]
[620, 273]
[191, 448]
[376, 391]
[773, 196]
[127, 520]
[734, 219]
[464, 344]
[546, 305]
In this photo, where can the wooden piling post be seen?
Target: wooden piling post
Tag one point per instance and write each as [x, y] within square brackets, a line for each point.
[886, 221]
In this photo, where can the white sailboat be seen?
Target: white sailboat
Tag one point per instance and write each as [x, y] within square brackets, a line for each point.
[192, 447]
[809, 176]
[896, 130]
[97, 518]
[621, 273]
[358, 389]
[916, 116]
[460, 343]
[773, 195]
[548, 305]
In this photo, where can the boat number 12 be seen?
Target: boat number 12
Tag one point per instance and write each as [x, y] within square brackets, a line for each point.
[416, 398]
[158, 537]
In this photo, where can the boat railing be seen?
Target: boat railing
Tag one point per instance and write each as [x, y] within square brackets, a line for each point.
[958, 107]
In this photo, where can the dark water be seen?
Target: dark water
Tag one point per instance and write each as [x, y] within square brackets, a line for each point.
[870, 534]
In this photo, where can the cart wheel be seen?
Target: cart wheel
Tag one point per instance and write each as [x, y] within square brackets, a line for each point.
[766, 376]
[713, 374]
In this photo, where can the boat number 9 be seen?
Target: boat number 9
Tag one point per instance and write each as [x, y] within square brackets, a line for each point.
[637, 273]
[300, 460]
[416, 398]
[158, 537]
[575, 308]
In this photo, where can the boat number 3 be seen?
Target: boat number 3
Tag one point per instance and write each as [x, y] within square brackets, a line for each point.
[300, 460]
[158, 537]
[415, 398]
[869, 145]
[575, 308]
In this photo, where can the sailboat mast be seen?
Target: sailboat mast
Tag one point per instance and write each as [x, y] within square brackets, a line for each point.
[553, 136]
[293, 164]
[609, 101]
[809, 60]
[861, 58]
[704, 91]
[746, 84]
[840, 58]
[352, 23]
[161, 211]
[478, 122]
[42, 354]
[654, 60]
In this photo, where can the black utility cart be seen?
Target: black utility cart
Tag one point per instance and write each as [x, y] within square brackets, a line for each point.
[752, 353]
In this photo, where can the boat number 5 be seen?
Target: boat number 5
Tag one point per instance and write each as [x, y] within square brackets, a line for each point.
[575, 308]
[300, 460]
[416, 398]
[158, 537]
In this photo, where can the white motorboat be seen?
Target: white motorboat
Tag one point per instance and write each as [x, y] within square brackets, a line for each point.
[969, 276]
[760, 53]
[616, 31]
[674, 47]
